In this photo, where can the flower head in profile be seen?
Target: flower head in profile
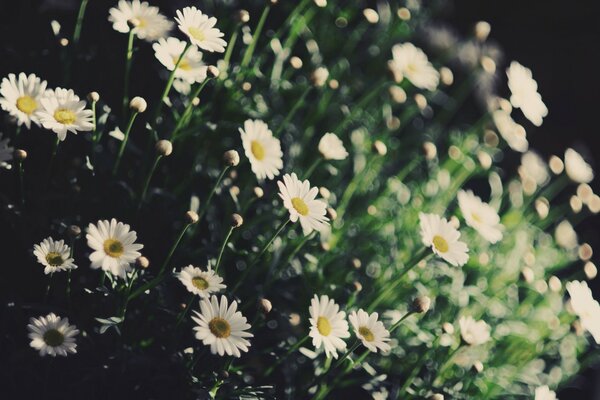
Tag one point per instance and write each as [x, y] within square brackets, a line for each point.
[52, 335]
[370, 331]
[586, 307]
[21, 97]
[114, 246]
[145, 20]
[191, 69]
[442, 237]
[262, 149]
[63, 112]
[222, 327]
[300, 200]
[54, 255]
[199, 282]
[577, 169]
[544, 393]
[328, 325]
[411, 63]
[200, 29]
[474, 332]
[514, 133]
[524, 94]
[6, 151]
[480, 216]
[332, 148]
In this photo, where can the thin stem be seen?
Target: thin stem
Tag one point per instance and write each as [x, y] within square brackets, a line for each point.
[148, 179]
[124, 142]
[292, 111]
[169, 84]
[292, 349]
[52, 158]
[128, 59]
[94, 122]
[188, 109]
[21, 185]
[79, 23]
[183, 313]
[347, 354]
[212, 192]
[48, 288]
[250, 50]
[397, 324]
[126, 298]
[172, 251]
[312, 168]
[223, 248]
[230, 47]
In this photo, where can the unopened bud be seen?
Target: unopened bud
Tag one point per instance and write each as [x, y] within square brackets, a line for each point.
[585, 252]
[142, 262]
[527, 274]
[331, 213]
[356, 263]
[477, 367]
[236, 220]
[319, 76]
[436, 396]
[74, 231]
[404, 13]
[371, 15]
[212, 71]
[446, 76]
[138, 104]
[482, 30]
[164, 147]
[556, 165]
[265, 305]
[191, 217]
[421, 304]
[430, 150]
[242, 16]
[20, 154]
[379, 148]
[93, 97]
[357, 286]
[590, 270]
[258, 192]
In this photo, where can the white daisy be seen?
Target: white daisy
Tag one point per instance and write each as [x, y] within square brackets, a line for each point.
[576, 167]
[480, 216]
[149, 24]
[442, 237]
[411, 63]
[52, 335]
[514, 134]
[544, 393]
[262, 149]
[191, 68]
[202, 283]
[21, 97]
[54, 255]
[474, 332]
[534, 167]
[328, 325]
[299, 199]
[200, 29]
[63, 112]
[222, 327]
[332, 148]
[6, 152]
[586, 307]
[370, 331]
[114, 247]
[524, 93]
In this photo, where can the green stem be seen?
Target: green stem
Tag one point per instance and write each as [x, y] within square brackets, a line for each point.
[346, 354]
[21, 185]
[212, 192]
[183, 313]
[188, 109]
[128, 59]
[79, 23]
[223, 248]
[312, 168]
[48, 288]
[172, 251]
[148, 179]
[397, 324]
[292, 111]
[169, 84]
[94, 122]
[230, 47]
[292, 349]
[250, 50]
[124, 142]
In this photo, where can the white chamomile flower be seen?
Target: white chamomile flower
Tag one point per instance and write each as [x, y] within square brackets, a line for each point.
[262, 149]
[586, 307]
[21, 97]
[114, 246]
[202, 283]
[200, 29]
[299, 199]
[474, 332]
[52, 335]
[544, 393]
[370, 331]
[222, 327]
[148, 23]
[411, 63]
[328, 325]
[332, 148]
[524, 94]
[480, 216]
[63, 112]
[6, 152]
[442, 237]
[54, 255]
[577, 169]
[191, 69]
[514, 133]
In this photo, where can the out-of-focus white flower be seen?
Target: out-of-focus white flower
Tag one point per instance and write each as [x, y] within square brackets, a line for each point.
[534, 167]
[586, 307]
[319, 76]
[332, 148]
[524, 93]
[191, 68]
[63, 112]
[474, 332]
[54, 255]
[52, 335]
[370, 330]
[146, 20]
[576, 167]
[300, 200]
[544, 393]
[565, 235]
[6, 151]
[480, 216]
[200, 29]
[328, 325]
[442, 237]
[202, 283]
[411, 63]
[514, 134]
[262, 149]
[21, 97]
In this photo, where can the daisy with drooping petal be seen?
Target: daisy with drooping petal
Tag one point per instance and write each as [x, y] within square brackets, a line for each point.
[370, 331]
[63, 112]
[577, 169]
[332, 148]
[586, 307]
[514, 133]
[202, 283]
[474, 332]
[114, 247]
[544, 393]
[524, 94]
[480, 216]
[200, 29]
[52, 335]
[54, 255]
[222, 327]
[6, 152]
[299, 199]
[411, 63]
[262, 149]
[21, 97]
[442, 237]
[328, 325]
[149, 24]
[191, 69]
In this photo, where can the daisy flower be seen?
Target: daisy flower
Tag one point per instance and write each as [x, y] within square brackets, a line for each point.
[524, 93]
[544, 393]
[222, 327]
[411, 63]
[200, 29]
[52, 335]
[534, 167]
[442, 237]
[114, 247]
[191, 68]
[63, 112]
[202, 283]
[586, 307]
[480, 216]
[299, 199]
[54, 255]
[514, 134]
[21, 97]
[148, 23]
[328, 325]
[262, 149]
[332, 148]
[370, 331]
[6, 152]
[577, 169]
[474, 332]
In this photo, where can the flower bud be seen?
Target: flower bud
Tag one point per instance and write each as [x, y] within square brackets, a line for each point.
[20, 154]
[357, 286]
[265, 305]
[404, 15]
[436, 396]
[93, 97]
[138, 104]
[421, 304]
[191, 217]
[212, 71]
[482, 30]
[430, 150]
[74, 231]
[446, 76]
[231, 158]
[258, 192]
[379, 148]
[477, 367]
[142, 262]
[356, 263]
[236, 220]
[164, 147]
[331, 213]
[319, 76]
[242, 16]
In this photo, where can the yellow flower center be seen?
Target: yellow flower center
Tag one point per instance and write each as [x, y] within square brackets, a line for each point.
[113, 248]
[257, 150]
[219, 327]
[476, 217]
[53, 338]
[199, 282]
[323, 326]
[54, 259]
[26, 104]
[64, 116]
[300, 206]
[366, 333]
[196, 33]
[440, 244]
[183, 65]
